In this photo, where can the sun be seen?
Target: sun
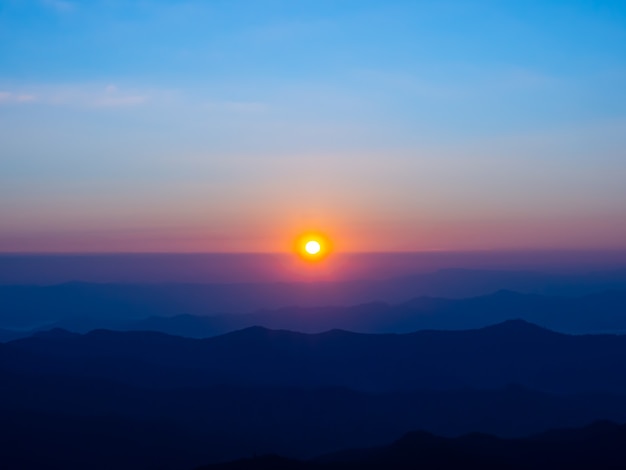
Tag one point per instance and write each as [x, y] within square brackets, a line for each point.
[312, 246]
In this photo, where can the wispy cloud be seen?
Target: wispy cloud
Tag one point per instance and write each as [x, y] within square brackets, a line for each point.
[10, 97]
[88, 96]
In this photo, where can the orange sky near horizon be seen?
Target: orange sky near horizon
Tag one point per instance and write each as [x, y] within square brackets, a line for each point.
[571, 234]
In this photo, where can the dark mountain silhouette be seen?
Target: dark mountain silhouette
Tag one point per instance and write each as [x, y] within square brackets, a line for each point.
[598, 446]
[600, 312]
[492, 357]
[137, 427]
[149, 400]
[328, 415]
[35, 440]
[84, 306]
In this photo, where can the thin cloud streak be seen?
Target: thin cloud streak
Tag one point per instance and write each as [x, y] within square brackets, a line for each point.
[87, 96]
[10, 97]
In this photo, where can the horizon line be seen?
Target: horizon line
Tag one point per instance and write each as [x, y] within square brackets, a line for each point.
[240, 253]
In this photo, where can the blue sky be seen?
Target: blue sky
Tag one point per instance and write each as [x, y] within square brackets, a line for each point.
[233, 125]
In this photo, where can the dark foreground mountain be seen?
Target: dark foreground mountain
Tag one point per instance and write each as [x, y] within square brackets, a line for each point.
[305, 422]
[599, 446]
[147, 400]
[514, 352]
[57, 422]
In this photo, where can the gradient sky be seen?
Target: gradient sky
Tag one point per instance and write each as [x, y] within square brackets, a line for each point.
[231, 125]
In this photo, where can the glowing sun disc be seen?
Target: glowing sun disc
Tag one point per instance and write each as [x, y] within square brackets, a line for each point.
[312, 247]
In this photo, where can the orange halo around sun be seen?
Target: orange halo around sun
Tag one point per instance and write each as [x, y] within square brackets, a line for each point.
[313, 246]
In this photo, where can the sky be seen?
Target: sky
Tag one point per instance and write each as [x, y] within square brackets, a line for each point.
[236, 125]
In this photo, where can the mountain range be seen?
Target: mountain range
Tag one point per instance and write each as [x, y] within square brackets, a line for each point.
[511, 352]
[592, 313]
[88, 306]
[598, 446]
[151, 400]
